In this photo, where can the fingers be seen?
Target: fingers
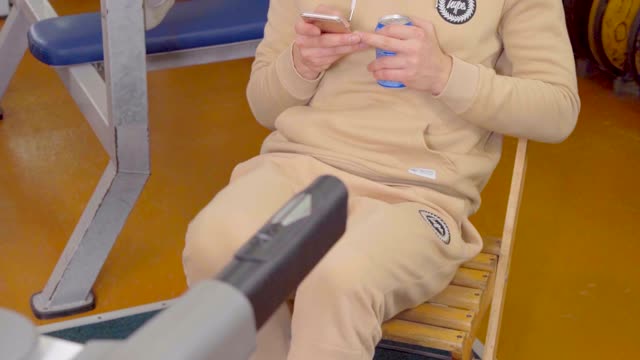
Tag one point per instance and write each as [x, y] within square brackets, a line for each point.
[383, 42]
[388, 62]
[311, 53]
[322, 63]
[391, 75]
[392, 68]
[393, 37]
[306, 29]
[327, 40]
[418, 30]
[402, 32]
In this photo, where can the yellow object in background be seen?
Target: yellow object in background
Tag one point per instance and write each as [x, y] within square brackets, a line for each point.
[610, 24]
[616, 26]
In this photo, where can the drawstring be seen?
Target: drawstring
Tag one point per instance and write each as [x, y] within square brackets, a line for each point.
[353, 7]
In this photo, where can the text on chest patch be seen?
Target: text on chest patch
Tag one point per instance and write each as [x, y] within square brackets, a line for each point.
[457, 11]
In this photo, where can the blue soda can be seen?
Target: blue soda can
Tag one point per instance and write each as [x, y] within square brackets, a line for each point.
[384, 21]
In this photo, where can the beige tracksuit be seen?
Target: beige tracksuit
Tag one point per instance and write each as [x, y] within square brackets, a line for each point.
[414, 164]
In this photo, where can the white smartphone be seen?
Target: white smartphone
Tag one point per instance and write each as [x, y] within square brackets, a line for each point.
[327, 23]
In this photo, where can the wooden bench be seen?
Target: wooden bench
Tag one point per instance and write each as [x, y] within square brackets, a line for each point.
[446, 326]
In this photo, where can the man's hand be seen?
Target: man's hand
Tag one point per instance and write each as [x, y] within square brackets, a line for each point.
[314, 52]
[419, 63]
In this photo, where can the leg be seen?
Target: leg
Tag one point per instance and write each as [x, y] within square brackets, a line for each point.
[257, 190]
[390, 259]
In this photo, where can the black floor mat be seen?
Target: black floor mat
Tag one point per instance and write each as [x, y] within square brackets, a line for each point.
[121, 328]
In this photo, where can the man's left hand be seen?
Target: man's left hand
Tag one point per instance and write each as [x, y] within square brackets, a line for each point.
[419, 63]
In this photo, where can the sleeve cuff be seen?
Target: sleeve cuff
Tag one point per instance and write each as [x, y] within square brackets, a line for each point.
[292, 81]
[461, 88]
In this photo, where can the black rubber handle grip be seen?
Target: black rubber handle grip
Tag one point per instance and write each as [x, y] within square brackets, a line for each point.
[282, 253]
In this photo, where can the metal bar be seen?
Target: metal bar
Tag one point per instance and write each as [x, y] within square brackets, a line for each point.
[88, 90]
[69, 286]
[204, 55]
[118, 114]
[13, 44]
[126, 75]
[4, 8]
[68, 290]
[36, 10]
[477, 349]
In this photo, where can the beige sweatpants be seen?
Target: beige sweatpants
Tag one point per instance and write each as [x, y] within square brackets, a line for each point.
[398, 250]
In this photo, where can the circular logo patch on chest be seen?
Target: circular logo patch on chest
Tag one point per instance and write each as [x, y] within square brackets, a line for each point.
[457, 11]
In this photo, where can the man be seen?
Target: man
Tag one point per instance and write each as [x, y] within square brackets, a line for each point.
[414, 159]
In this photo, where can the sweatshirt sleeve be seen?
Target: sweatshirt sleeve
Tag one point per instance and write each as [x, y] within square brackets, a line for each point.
[274, 84]
[539, 100]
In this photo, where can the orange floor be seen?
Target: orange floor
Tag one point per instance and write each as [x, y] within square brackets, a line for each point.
[575, 283]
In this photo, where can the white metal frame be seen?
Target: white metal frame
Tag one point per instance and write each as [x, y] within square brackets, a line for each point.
[4, 8]
[117, 110]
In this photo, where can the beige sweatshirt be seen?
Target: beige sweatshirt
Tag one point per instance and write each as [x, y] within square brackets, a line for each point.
[513, 73]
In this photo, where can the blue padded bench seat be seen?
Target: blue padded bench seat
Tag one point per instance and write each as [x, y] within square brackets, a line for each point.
[77, 39]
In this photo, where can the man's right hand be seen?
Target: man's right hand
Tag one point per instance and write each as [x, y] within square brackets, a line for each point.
[314, 51]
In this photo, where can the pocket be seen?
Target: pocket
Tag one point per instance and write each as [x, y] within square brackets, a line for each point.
[436, 152]
[459, 137]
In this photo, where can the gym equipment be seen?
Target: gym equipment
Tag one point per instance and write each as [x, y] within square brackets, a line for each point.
[219, 318]
[609, 25]
[4, 8]
[4, 11]
[595, 33]
[633, 49]
[609, 32]
[193, 32]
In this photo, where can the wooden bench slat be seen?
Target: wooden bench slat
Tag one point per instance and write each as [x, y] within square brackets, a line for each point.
[459, 297]
[491, 245]
[439, 316]
[485, 303]
[424, 335]
[484, 262]
[472, 278]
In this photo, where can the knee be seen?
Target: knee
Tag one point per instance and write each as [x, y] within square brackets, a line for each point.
[210, 244]
[339, 298]
[341, 284]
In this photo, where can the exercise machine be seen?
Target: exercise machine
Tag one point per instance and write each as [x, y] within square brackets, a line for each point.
[217, 318]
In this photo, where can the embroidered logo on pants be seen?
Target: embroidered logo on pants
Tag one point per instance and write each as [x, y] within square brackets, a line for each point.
[457, 11]
[439, 226]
